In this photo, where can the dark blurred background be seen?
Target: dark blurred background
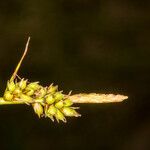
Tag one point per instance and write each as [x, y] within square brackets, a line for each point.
[85, 46]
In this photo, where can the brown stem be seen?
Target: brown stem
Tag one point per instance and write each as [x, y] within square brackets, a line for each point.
[20, 62]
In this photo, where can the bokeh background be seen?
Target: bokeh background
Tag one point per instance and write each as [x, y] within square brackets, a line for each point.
[85, 46]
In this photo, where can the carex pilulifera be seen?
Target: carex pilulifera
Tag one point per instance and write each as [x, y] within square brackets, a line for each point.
[49, 101]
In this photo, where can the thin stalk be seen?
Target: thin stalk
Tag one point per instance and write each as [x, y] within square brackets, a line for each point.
[20, 62]
[11, 102]
[2, 102]
[80, 98]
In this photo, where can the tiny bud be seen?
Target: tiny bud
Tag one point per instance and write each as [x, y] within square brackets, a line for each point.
[70, 112]
[60, 116]
[38, 109]
[67, 102]
[59, 104]
[8, 96]
[50, 99]
[25, 98]
[30, 92]
[58, 96]
[11, 86]
[17, 90]
[33, 85]
[52, 110]
[52, 89]
[22, 84]
[42, 92]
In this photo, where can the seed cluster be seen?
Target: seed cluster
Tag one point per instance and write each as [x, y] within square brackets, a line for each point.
[46, 101]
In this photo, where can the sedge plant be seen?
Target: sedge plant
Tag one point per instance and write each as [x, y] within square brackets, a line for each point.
[48, 101]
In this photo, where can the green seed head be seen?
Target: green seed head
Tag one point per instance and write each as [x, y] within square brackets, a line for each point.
[38, 109]
[70, 112]
[59, 104]
[8, 96]
[50, 99]
[11, 86]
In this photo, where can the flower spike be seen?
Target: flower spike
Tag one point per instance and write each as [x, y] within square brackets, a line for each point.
[49, 101]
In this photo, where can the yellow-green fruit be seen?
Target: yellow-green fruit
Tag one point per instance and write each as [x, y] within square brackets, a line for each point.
[30, 92]
[67, 102]
[25, 98]
[58, 96]
[17, 90]
[22, 84]
[52, 89]
[60, 116]
[42, 92]
[59, 104]
[52, 110]
[50, 99]
[8, 96]
[70, 112]
[38, 109]
[11, 86]
[33, 85]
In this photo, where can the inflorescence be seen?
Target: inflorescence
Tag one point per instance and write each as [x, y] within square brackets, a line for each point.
[46, 101]
[49, 101]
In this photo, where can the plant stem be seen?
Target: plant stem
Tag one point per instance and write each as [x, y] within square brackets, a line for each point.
[10, 102]
[79, 98]
[20, 62]
[3, 102]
